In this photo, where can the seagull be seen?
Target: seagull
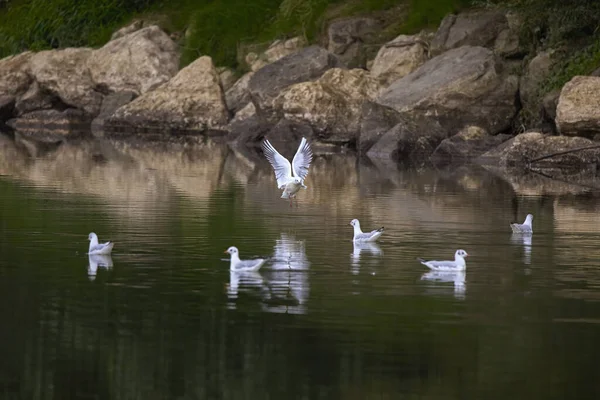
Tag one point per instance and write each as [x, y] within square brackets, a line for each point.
[99, 248]
[243, 265]
[458, 264]
[290, 177]
[525, 227]
[359, 236]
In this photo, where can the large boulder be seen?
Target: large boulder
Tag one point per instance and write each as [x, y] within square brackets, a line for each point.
[469, 143]
[398, 58]
[536, 150]
[536, 71]
[139, 61]
[111, 103]
[347, 38]
[577, 112]
[471, 28]
[507, 43]
[35, 98]
[375, 121]
[305, 65]
[276, 51]
[192, 101]
[331, 105]
[464, 86]
[64, 74]
[238, 96]
[14, 74]
[406, 142]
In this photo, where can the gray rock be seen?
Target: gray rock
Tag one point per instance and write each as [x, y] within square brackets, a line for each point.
[64, 73]
[524, 149]
[238, 96]
[305, 65]
[469, 143]
[110, 104]
[471, 28]
[35, 98]
[406, 142]
[139, 61]
[331, 105]
[398, 58]
[375, 121]
[347, 38]
[191, 102]
[15, 75]
[549, 104]
[126, 30]
[536, 71]
[577, 112]
[464, 86]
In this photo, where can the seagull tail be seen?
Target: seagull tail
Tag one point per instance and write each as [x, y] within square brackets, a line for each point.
[380, 229]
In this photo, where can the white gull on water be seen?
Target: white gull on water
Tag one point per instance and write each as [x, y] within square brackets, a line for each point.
[290, 177]
[99, 248]
[459, 263]
[360, 236]
[525, 227]
[243, 265]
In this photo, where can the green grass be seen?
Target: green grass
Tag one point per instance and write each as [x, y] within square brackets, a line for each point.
[215, 28]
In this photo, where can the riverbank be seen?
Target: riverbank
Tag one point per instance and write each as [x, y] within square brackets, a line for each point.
[453, 95]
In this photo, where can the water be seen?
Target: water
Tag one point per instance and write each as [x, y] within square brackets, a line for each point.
[163, 318]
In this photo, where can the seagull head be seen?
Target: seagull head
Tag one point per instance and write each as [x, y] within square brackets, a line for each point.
[460, 253]
[528, 219]
[232, 250]
[354, 222]
[92, 235]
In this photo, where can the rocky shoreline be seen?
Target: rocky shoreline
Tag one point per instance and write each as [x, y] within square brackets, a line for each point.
[444, 97]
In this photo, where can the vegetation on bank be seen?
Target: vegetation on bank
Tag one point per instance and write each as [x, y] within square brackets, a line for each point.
[211, 27]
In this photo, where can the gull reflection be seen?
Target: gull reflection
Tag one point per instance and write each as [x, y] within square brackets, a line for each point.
[456, 277]
[282, 289]
[98, 260]
[525, 240]
[247, 281]
[288, 280]
[363, 248]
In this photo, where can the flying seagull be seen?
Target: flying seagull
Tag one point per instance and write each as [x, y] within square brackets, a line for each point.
[290, 177]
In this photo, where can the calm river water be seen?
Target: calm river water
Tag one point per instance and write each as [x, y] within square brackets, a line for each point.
[163, 318]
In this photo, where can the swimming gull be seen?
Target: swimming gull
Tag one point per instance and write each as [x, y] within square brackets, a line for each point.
[243, 265]
[99, 248]
[458, 264]
[360, 236]
[525, 227]
[290, 177]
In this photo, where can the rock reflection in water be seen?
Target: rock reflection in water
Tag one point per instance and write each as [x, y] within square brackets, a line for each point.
[98, 260]
[364, 248]
[457, 278]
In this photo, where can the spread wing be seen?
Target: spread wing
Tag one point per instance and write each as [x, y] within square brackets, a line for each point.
[282, 167]
[302, 159]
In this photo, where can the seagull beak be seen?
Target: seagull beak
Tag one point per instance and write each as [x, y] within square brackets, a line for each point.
[466, 254]
[225, 251]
